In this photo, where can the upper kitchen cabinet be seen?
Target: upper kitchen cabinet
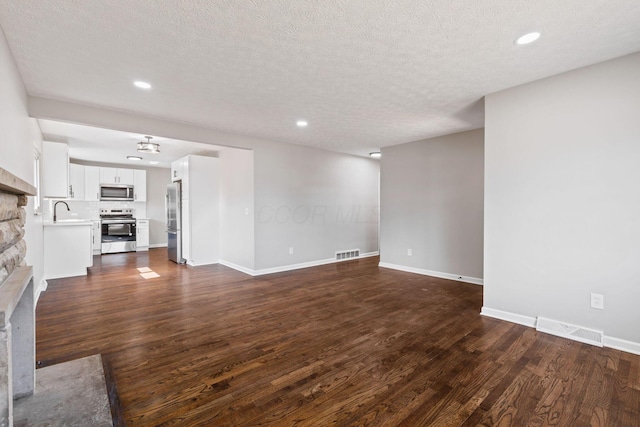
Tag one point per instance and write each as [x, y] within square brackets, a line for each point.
[76, 181]
[55, 170]
[126, 176]
[139, 185]
[92, 183]
[116, 176]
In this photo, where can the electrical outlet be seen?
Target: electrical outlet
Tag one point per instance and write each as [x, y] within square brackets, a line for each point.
[410, 252]
[291, 250]
[597, 301]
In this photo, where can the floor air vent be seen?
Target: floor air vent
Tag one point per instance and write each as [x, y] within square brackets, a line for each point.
[573, 332]
[353, 253]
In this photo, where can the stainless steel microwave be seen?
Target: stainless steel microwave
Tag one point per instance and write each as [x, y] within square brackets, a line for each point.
[119, 192]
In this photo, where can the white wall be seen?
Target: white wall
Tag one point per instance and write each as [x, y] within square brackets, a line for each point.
[340, 189]
[16, 145]
[19, 137]
[316, 201]
[562, 198]
[237, 208]
[431, 194]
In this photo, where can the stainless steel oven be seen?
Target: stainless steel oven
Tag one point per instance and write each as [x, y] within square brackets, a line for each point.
[118, 230]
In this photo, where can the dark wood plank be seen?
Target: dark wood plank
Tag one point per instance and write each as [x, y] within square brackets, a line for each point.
[348, 344]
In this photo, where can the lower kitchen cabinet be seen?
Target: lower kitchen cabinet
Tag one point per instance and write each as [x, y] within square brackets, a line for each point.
[67, 248]
[142, 235]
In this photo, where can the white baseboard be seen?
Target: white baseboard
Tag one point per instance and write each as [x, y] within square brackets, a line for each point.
[291, 267]
[509, 317]
[157, 245]
[199, 264]
[622, 345]
[610, 342]
[240, 268]
[41, 288]
[456, 277]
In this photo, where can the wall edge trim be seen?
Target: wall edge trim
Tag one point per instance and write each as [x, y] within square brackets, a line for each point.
[509, 317]
[290, 267]
[157, 245]
[609, 342]
[237, 267]
[439, 274]
[622, 345]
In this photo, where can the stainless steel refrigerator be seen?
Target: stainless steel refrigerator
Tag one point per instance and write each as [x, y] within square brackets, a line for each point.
[174, 222]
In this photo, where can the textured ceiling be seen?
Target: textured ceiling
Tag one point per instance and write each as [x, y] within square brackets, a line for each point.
[364, 73]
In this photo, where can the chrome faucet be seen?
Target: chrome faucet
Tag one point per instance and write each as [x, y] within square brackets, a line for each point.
[54, 209]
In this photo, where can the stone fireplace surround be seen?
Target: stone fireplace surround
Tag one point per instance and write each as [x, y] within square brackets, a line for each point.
[17, 302]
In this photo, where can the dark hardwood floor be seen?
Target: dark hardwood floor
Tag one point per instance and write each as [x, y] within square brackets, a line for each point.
[347, 344]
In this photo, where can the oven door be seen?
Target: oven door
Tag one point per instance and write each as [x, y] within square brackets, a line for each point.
[118, 236]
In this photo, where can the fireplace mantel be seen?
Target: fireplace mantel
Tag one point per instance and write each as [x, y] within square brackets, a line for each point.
[12, 184]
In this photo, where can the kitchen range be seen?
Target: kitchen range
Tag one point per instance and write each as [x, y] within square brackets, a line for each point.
[118, 230]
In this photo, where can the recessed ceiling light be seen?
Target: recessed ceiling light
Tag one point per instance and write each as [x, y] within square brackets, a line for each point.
[301, 123]
[528, 38]
[142, 85]
[376, 154]
[135, 158]
[153, 162]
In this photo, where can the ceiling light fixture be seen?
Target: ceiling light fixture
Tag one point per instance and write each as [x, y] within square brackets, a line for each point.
[528, 38]
[135, 158]
[142, 85]
[376, 154]
[301, 123]
[148, 146]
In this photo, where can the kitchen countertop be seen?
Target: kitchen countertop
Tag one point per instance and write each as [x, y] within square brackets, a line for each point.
[67, 222]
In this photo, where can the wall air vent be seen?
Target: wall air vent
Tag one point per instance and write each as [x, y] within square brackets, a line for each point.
[573, 332]
[352, 253]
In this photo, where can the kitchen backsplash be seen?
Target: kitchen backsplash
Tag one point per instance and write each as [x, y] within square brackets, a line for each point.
[90, 210]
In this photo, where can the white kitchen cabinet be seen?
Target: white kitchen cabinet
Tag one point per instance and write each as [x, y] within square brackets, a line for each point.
[96, 238]
[92, 183]
[76, 181]
[67, 248]
[108, 176]
[116, 176]
[142, 235]
[55, 170]
[126, 176]
[200, 209]
[140, 185]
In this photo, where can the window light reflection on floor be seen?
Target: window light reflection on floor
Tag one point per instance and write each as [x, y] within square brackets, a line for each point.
[147, 273]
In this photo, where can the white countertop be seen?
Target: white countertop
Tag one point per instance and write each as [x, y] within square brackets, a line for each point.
[67, 222]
